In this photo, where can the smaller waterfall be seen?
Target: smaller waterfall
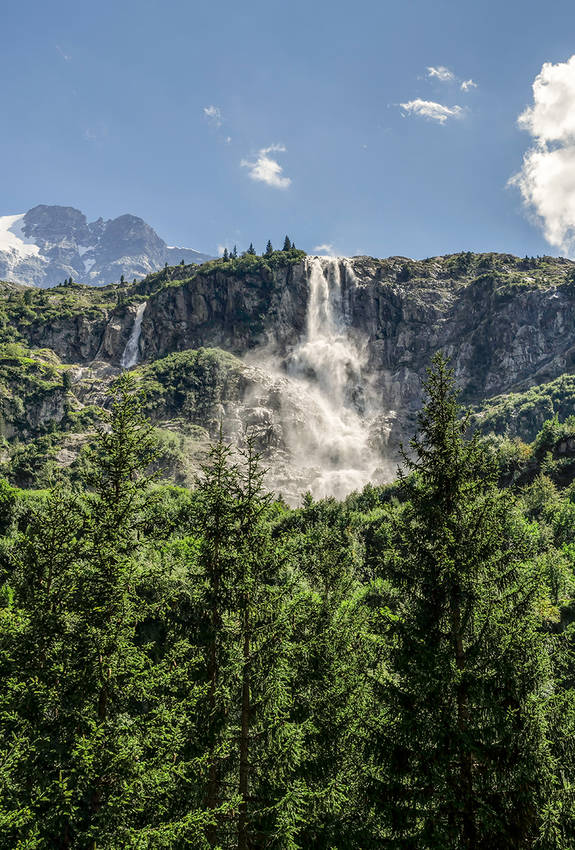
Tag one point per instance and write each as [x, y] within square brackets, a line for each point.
[130, 355]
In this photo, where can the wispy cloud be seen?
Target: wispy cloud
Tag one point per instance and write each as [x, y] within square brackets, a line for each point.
[441, 73]
[213, 115]
[547, 177]
[265, 169]
[325, 248]
[431, 110]
[96, 133]
[446, 75]
[64, 55]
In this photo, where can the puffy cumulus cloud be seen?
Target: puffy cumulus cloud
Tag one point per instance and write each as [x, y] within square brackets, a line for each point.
[266, 169]
[547, 177]
[466, 85]
[213, 115]
[441, 73]
[551, 118]
[431, 110]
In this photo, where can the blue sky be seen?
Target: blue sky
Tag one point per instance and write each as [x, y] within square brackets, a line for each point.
[104, 108]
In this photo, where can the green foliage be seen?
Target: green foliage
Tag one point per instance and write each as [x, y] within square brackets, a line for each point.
[461, 758]
[192, 383]
[210, 668]
[404, 273]
[524, 414]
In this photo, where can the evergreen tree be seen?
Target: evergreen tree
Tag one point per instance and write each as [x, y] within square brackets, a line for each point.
[404, 273]
[251, 250]
[287, 244]
[235, 253]
[40, 679]
[249, 745]
[461, 756]
[78, 681]
[334, 657]
[225, 255]
[269, 248]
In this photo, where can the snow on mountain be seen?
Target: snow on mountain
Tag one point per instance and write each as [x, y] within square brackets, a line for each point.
[12, 236]
[50, 243]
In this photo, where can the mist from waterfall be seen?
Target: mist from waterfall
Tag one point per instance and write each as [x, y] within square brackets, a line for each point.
[325, 396]
[130, 354]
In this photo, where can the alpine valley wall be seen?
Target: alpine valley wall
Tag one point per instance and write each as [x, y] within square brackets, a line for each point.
[335, 347]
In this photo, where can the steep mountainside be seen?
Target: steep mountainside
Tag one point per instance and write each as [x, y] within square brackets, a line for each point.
[51, 243]
[322, 359]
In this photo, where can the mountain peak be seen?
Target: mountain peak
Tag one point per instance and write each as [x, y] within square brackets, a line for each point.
[51, 242]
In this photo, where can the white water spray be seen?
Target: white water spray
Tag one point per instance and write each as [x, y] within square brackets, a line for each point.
[325, 396]
[328, 366]
[130, 355]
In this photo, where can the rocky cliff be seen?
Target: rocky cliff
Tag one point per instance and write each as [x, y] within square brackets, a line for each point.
[324, 358]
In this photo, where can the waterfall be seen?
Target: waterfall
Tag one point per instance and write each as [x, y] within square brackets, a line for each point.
[130, 355]
[328, 367]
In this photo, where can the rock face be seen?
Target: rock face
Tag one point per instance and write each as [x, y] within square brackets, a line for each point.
[325, 357]
[51, 243]
[502, 332]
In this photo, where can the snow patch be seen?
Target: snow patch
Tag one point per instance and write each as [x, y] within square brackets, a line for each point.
[179, 248]
[12, 236]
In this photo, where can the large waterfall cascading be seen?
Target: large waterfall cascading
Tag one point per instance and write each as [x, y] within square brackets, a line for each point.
[130, 355]
[322, 395]
[328, 366]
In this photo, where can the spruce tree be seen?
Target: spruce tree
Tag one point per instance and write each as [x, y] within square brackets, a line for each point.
[78, 665]
[461, 758]
[251, 250]
[269, 248]
[287, 244]
[242, 632]
[334, 656]
[40, 680]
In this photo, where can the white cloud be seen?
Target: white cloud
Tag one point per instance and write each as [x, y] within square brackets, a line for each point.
[431, 110]
[547, 177]
[441, 73]
[214, 115]
[228, 140]
[325, 248]
[468, 84]
[64, 55]
[267, 170]
[96, 133]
